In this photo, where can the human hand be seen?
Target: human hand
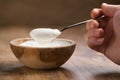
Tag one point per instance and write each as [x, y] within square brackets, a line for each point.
[105, 36]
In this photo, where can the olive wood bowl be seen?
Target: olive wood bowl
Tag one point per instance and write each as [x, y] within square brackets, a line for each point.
[42, 57]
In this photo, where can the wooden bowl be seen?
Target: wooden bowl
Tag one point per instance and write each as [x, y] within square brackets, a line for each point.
[42, 57]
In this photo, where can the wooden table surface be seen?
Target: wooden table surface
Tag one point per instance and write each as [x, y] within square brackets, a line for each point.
[85, 64]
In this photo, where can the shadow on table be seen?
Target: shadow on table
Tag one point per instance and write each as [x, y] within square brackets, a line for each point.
[108, 76]
[20, 71]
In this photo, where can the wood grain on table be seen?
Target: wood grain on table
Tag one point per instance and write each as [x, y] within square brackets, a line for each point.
[85, 64]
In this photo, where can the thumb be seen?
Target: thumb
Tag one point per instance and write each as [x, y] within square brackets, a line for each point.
[109, 10]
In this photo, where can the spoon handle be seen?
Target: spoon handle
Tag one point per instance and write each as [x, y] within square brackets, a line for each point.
[83, 22]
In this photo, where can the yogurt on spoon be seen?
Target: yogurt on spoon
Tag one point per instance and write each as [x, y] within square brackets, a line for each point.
[43, 37]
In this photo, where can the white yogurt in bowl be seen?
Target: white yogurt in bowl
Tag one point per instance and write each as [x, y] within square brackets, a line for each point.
[54, 43]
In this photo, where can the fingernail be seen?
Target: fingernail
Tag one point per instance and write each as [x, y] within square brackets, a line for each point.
[98, 32]
[100, 40]
[104, 4]
[91, 26]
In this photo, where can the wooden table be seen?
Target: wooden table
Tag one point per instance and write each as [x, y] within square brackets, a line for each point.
[85, 64]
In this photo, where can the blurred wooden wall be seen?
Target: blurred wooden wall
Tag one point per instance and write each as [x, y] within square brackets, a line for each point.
[46, 12]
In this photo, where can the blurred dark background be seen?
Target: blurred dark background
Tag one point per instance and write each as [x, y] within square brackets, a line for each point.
[47, 12]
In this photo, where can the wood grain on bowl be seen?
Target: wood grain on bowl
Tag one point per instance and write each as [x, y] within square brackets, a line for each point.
[42, 57]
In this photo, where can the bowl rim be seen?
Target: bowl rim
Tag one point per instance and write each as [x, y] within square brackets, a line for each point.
[72, 43]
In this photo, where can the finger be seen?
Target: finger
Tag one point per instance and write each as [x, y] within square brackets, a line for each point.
[96, 12]
[109, 10]
[92, 24]
[100, 41]
[95, 33]
[95, 42]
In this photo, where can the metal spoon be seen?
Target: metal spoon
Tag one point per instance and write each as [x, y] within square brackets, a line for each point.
[83, 22]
